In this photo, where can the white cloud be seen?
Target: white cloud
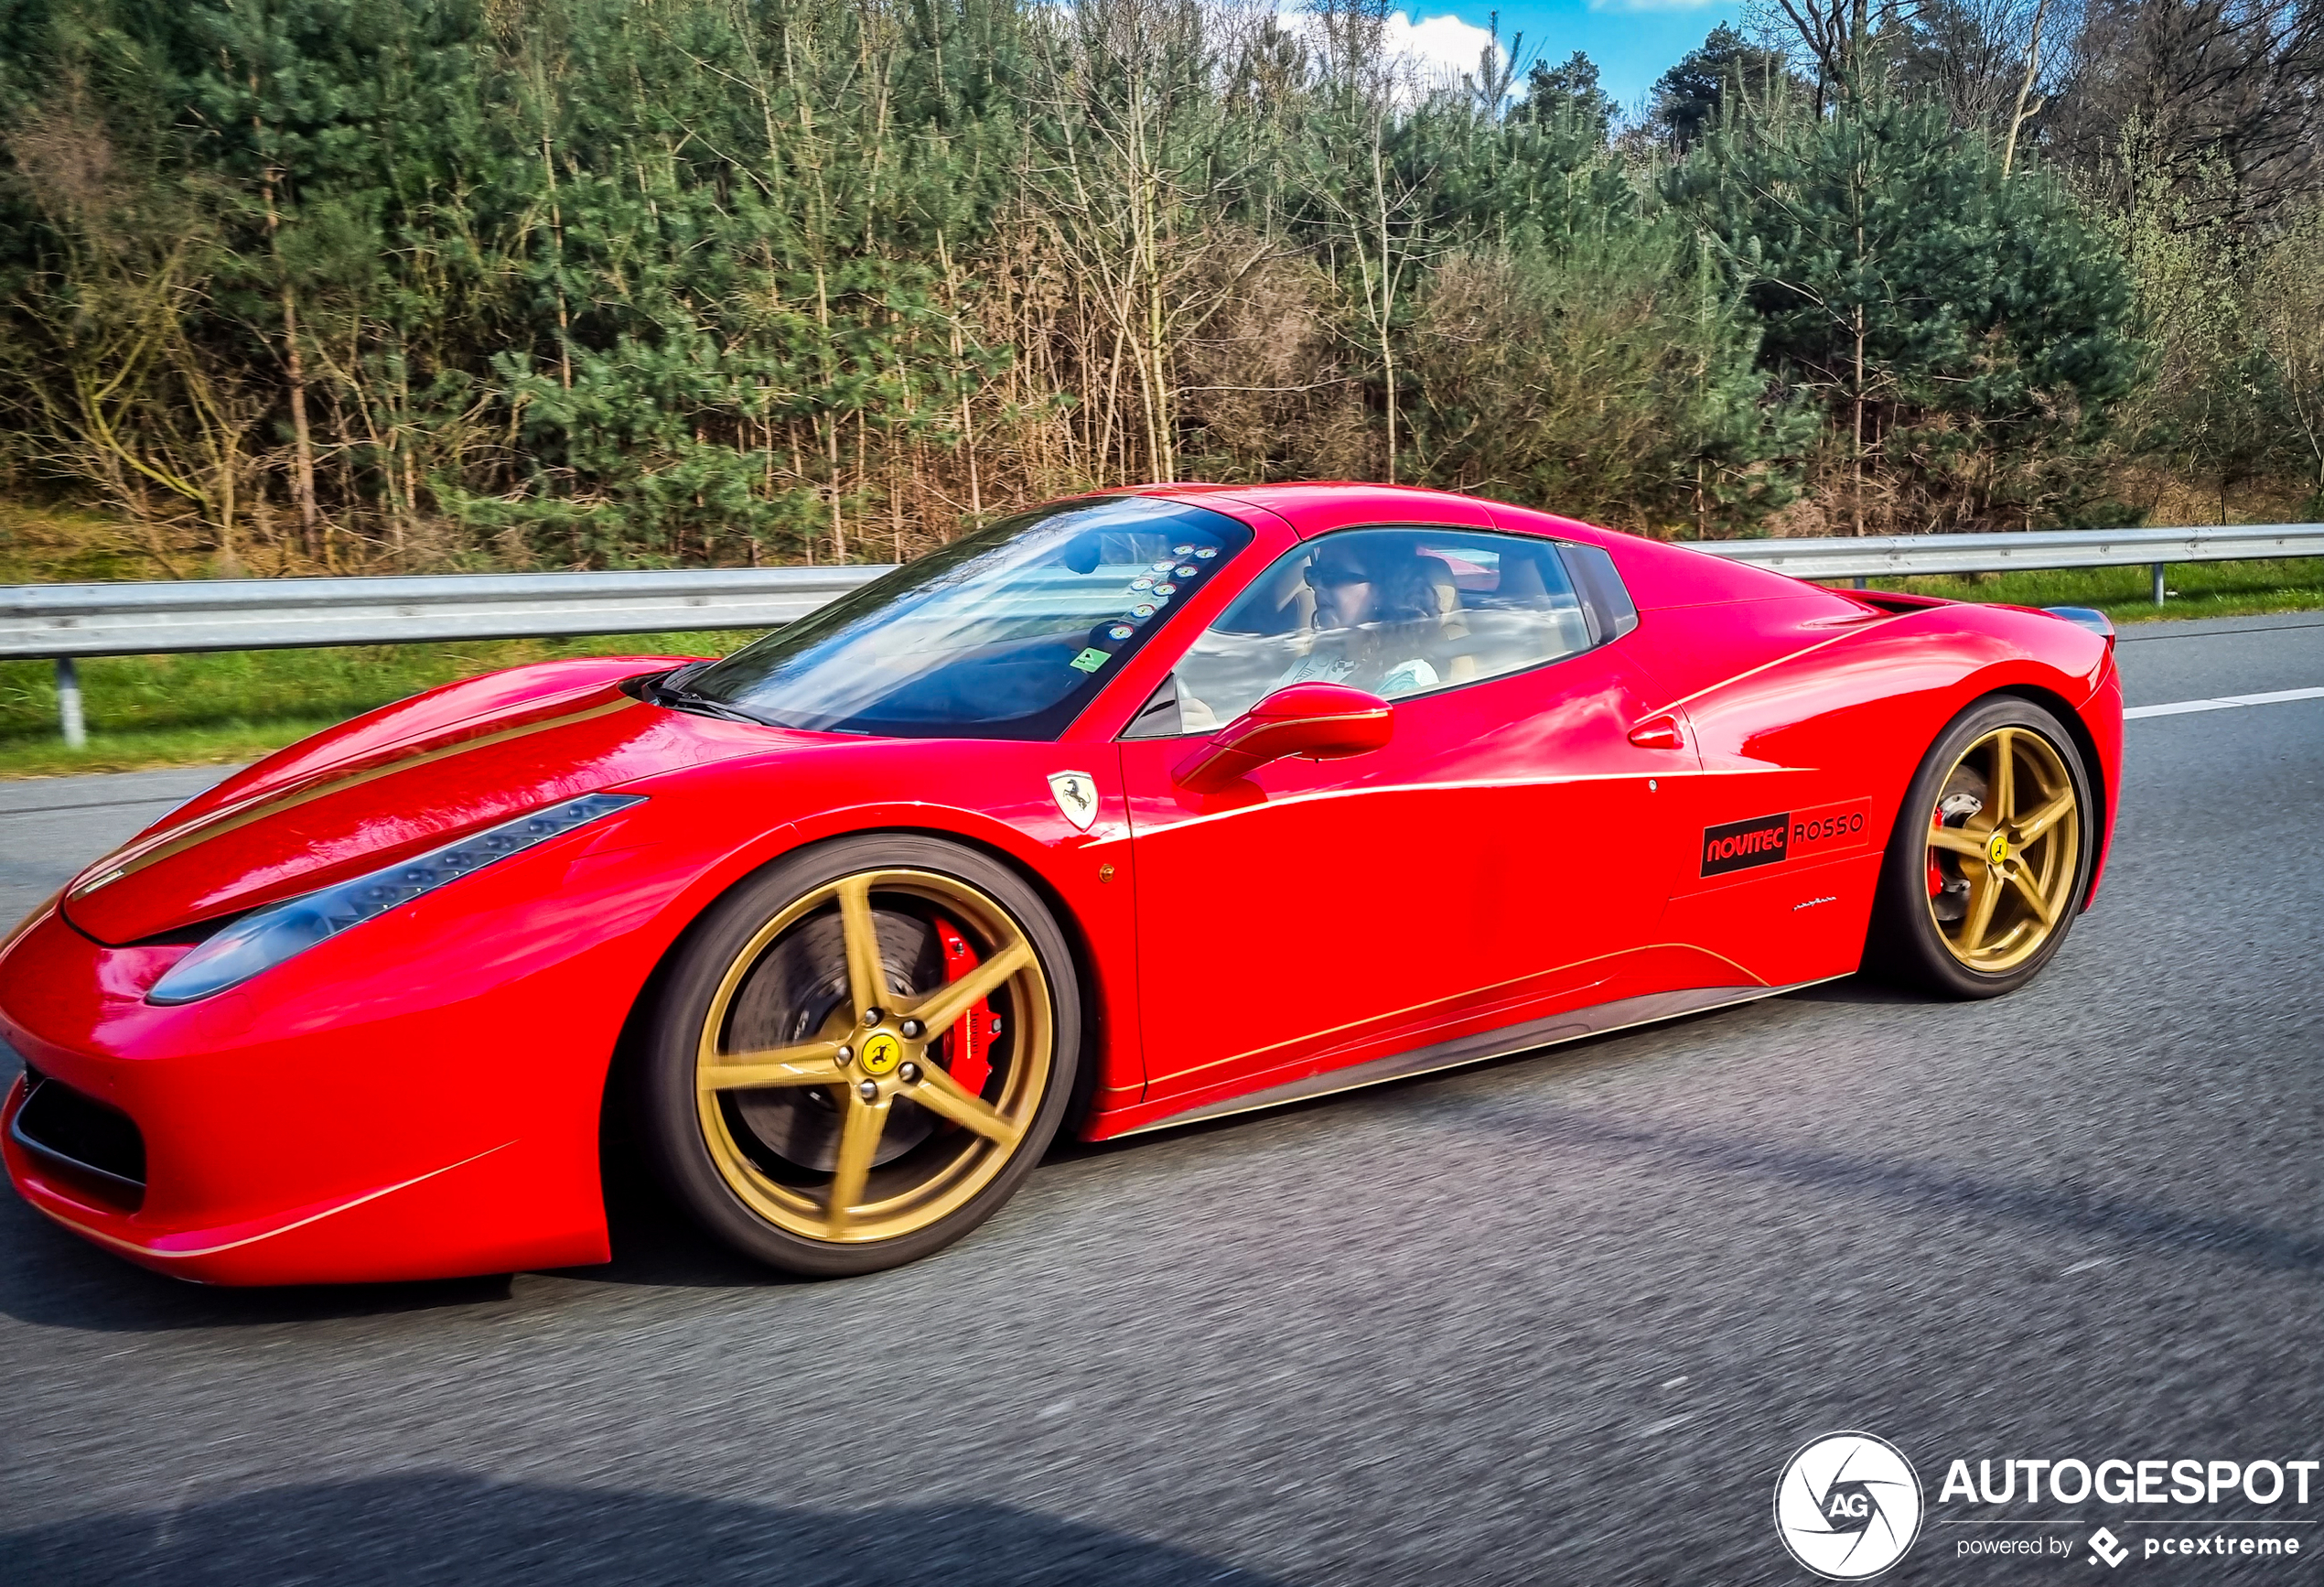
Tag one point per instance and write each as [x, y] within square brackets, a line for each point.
[1435, 50]
[1440, 43]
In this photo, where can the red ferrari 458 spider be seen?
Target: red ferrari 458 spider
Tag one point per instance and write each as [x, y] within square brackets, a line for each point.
[1139, 809]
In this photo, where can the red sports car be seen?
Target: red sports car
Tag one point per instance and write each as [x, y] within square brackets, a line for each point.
[1139, 809]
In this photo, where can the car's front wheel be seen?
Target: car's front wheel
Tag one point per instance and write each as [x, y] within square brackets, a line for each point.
[860, 1052]
[1991, 856]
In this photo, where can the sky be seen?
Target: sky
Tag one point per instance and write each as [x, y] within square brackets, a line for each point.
[1633, 42]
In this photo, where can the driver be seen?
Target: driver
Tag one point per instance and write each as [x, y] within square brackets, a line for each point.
[1370, 602]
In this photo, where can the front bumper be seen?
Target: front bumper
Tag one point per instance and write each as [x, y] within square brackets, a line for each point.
[404, 1108]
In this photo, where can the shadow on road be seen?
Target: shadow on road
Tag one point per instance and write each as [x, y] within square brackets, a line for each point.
[1928, 1190]
[443, 1528]
[1862, 990]
[55, 1280]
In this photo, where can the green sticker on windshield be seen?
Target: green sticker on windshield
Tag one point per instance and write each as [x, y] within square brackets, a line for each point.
[1089, 661]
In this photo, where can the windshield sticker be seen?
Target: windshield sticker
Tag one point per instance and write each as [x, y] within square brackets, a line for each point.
[1164, 591]
[1206, 552]
[1120, 630]
[1188, 571]
[1162, 566]
[1142, 581]
[1181, 550]
[1141, 612]
[1089, 661]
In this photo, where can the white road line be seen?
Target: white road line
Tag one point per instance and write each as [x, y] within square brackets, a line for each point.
[2225, 703]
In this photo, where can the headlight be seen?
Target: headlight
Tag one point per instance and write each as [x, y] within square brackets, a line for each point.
[266, 937]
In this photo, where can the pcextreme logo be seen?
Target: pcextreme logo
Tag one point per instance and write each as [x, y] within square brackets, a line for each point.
[1847, 1505]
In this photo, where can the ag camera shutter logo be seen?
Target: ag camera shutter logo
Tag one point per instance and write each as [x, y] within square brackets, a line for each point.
[1848, 1506]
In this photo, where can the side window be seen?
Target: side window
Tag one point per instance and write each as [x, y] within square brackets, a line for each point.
[1391, 611]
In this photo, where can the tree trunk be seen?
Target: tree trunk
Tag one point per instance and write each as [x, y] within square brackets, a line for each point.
[1387, 289]
[295, 366]
[1855, 491]
[2025, 90]
[556, 237]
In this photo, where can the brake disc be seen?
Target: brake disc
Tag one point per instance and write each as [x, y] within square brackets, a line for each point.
[1962, 797]
[794, 994]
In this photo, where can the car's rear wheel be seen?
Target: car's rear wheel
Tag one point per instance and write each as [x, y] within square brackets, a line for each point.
[1991, 856]
[860, 1054]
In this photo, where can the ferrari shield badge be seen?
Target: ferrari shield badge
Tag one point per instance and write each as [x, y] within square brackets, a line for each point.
[1076, 795]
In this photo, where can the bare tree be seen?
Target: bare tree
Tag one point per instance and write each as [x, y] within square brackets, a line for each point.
[1993, 63]
[2185, 87]
[1842, 38]
[2289, 301]
[1373, 206]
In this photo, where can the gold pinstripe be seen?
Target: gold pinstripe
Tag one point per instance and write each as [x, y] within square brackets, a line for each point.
[235, 816]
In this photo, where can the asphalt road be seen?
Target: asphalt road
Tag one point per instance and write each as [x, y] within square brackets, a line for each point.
[1561, 1318]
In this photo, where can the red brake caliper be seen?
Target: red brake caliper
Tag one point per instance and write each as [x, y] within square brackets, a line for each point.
[1936, 877]
[968, 1046]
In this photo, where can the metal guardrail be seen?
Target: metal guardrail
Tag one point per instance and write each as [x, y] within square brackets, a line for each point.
[63, 623]
[41, 620]
[1908, 555]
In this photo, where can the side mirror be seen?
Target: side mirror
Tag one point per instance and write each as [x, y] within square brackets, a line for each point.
[1320, 721]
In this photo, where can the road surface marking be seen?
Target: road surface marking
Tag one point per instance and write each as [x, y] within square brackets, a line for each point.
[2225, 703]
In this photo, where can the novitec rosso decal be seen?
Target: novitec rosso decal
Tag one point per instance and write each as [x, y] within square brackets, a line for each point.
[1832, 828]
[1772, 839]
[1740, 845]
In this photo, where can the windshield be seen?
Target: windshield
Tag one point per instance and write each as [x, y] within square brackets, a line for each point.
[1004, 634]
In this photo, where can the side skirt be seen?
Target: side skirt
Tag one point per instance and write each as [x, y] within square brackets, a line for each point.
[1483, 1047]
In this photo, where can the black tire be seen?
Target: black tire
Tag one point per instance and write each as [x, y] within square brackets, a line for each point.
[744, 1179]
[1910, 943]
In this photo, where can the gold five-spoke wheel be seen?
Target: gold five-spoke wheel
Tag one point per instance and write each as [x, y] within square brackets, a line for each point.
[884, 1048]
[857, 1053]
[2005, 849]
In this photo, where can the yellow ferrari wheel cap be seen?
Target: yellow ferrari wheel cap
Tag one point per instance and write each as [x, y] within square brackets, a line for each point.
[1998, 848]
[882, 1052]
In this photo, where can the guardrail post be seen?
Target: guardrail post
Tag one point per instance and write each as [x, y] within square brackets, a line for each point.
[2158, 584]
[68, 704]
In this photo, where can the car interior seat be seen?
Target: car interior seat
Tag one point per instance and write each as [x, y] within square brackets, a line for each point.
[1522, 588]
[1449, 647]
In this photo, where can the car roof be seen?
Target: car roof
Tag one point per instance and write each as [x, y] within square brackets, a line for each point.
[1658, 573]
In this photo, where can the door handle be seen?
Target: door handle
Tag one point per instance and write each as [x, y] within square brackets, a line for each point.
[1660, 731]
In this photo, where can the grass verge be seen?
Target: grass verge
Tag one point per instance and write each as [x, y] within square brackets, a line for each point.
[229, 706]
[2127, 594]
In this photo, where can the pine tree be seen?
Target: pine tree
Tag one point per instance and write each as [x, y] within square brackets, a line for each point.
[1966, 333]
[1690, 98]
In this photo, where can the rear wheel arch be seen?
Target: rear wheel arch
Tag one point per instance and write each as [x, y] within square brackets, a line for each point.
[2085, 745]
[1895, 943]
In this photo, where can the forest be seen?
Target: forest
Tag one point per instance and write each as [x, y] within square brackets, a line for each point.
[307, 285]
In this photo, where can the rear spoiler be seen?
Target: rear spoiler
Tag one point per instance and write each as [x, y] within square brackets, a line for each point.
[2095, 621]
